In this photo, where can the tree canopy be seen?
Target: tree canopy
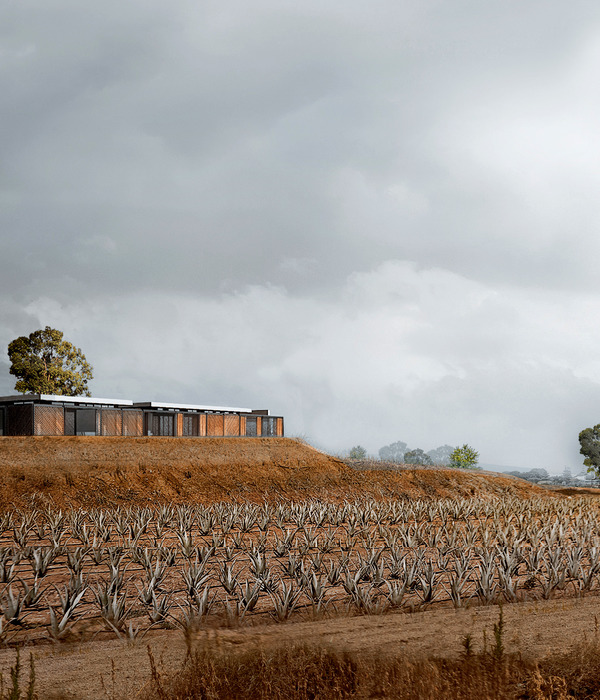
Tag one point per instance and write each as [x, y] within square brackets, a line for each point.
[45, 363]
[589, 439]
[357, 452]
[464, 457]
[418, 456]
[393, 453]
[441, 455]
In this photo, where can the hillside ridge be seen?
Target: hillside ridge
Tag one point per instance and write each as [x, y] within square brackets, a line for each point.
[110, 471]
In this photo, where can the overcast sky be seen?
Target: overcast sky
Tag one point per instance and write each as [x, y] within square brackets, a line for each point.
[380, 220]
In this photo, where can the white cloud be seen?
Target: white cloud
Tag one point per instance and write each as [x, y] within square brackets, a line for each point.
[421, 355]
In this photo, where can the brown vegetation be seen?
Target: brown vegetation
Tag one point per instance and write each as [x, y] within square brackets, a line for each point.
[105, 471]
[545, 651]
[306, 672]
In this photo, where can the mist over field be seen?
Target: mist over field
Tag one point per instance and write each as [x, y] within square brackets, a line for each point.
[378, 221]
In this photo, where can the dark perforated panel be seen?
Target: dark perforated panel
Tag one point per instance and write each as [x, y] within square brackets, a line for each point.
[268, 427]
[69, 421]
[20, 420]
[189, 424]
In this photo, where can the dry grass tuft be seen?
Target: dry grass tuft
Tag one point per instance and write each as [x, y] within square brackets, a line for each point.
[309, 672]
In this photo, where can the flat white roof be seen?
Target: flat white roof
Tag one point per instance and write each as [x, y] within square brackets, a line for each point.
[85, 399]
[192, 407]
[122, 402]
[65, 399]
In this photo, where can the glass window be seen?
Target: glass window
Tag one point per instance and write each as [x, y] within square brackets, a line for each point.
[85, 421]
[160, 424]
[251, 426]
[167, 424]
[69, 421]
[190, 424]
[149, 423]
[268, 427]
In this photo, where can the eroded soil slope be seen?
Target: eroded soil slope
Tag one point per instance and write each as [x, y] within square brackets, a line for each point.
[106, 471]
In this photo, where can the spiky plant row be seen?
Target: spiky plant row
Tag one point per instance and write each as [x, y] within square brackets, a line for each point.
[179, 564]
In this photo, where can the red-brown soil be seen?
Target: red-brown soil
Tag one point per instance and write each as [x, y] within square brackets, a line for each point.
[106, 471]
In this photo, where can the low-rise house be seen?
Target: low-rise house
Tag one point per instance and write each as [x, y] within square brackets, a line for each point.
[45, 414]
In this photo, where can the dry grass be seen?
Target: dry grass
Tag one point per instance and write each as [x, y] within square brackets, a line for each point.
[100, 472]
[304, 671]
[309, 672]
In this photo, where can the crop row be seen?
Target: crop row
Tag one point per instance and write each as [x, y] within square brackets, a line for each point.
[127, 570]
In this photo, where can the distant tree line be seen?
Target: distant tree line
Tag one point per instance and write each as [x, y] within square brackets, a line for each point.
[533, 475]
[464, 457]
[399, 453]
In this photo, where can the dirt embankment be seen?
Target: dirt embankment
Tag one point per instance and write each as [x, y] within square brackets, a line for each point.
[106, 471]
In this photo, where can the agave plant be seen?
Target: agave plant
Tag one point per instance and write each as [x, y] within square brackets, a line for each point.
[11, 606]
[31, 594]
[159, 607]
[112, 607]
[285, 601]
[249, 596]
[194, 577]
[228, 579]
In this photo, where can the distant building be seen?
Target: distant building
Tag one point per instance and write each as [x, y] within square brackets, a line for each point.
[44, 414]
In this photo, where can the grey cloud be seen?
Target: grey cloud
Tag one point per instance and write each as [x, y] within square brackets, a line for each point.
[188, 136]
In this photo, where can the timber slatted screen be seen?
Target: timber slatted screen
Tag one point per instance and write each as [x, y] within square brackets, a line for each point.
[231, 425]
[179, 425]
[133, 423]
[112, 421]
[258, 425]
[280, 427]
[202, 430]
[20, 420]
[214, 424]
[48, 420]
[242, 425]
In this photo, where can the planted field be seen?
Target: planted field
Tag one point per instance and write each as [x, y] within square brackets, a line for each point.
[123, 571]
